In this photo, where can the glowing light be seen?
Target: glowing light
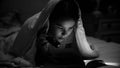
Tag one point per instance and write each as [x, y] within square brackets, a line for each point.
[112, 63]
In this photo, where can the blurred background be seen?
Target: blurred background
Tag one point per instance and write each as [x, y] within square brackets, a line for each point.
[101, 18]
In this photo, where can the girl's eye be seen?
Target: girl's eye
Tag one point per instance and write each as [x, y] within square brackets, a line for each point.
[71, 28]
[59, 27]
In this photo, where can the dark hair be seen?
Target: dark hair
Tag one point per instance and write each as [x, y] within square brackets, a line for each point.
[62, 19]
[65, 8]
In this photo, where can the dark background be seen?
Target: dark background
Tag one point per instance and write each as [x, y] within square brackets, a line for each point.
[101, 21]
[26, 8]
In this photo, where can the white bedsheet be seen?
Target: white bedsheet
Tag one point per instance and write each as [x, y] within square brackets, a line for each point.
[109, 51]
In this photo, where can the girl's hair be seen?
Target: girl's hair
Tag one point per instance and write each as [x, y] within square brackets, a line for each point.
[65, 9]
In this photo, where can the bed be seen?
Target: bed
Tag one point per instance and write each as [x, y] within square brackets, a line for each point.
[109, 52]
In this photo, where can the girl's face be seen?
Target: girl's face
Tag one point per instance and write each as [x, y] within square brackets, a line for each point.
[64, 30]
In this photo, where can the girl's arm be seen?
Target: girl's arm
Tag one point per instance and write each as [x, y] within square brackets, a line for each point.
[87, 51]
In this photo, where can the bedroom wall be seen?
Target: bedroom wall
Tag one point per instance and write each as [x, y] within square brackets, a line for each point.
[25, 7]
